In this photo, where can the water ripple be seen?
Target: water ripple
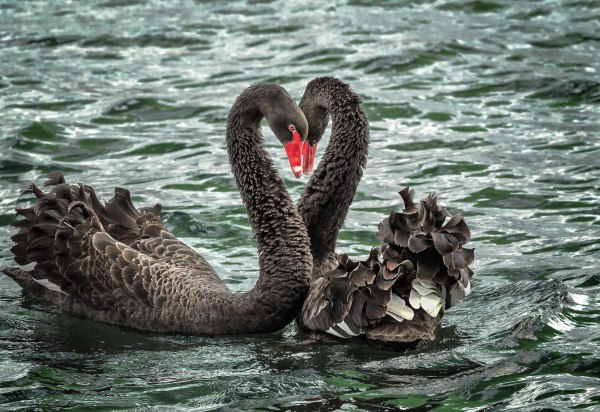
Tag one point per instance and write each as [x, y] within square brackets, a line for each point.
[491, 105]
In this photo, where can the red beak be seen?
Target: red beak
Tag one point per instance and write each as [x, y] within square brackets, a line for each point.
[294, 151]
[308, 157]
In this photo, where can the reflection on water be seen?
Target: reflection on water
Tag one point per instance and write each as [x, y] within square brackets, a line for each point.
[492, 105]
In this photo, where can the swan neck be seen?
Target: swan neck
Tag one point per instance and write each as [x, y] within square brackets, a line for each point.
[283, 244]
[330, 191]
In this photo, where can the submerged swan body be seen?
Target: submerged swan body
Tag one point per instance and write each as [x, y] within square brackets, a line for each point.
[113, 263]
[400, 292]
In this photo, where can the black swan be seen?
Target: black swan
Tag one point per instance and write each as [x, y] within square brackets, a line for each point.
[424, 269]
[113, 263]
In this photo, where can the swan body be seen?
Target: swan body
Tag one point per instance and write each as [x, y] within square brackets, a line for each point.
[400, 292]
[113, 263]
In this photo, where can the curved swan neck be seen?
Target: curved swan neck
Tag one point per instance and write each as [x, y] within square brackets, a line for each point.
[329, 193]
[256, 177]
[284, 255]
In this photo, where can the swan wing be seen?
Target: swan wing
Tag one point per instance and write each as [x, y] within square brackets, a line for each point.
[345, 300]
[64, 242]
[440, 278]
[141, 229]
[401, 298]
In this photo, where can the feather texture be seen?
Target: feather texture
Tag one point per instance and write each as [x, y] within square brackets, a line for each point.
[114, 263]
[407, 284]
[421, 268]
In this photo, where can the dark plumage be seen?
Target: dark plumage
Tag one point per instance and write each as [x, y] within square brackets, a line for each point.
[330, 190]
[115, 264]
[424, 268]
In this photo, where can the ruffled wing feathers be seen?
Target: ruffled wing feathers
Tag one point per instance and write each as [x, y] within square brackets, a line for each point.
[401, 291]
[103, 255]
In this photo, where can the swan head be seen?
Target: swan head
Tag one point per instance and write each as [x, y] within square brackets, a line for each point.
[291, 130]
[324, 96]
[288, 124]
[273, 103]
[314, 106]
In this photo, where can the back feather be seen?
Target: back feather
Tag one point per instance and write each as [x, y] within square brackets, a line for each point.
[101, 256]
[424, 271]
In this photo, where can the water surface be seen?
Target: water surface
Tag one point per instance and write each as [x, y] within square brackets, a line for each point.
[495, 106]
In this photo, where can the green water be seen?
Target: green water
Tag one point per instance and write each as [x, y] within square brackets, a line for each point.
[495, 106]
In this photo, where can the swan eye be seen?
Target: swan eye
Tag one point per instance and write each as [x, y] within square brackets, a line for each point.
[292, 128]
